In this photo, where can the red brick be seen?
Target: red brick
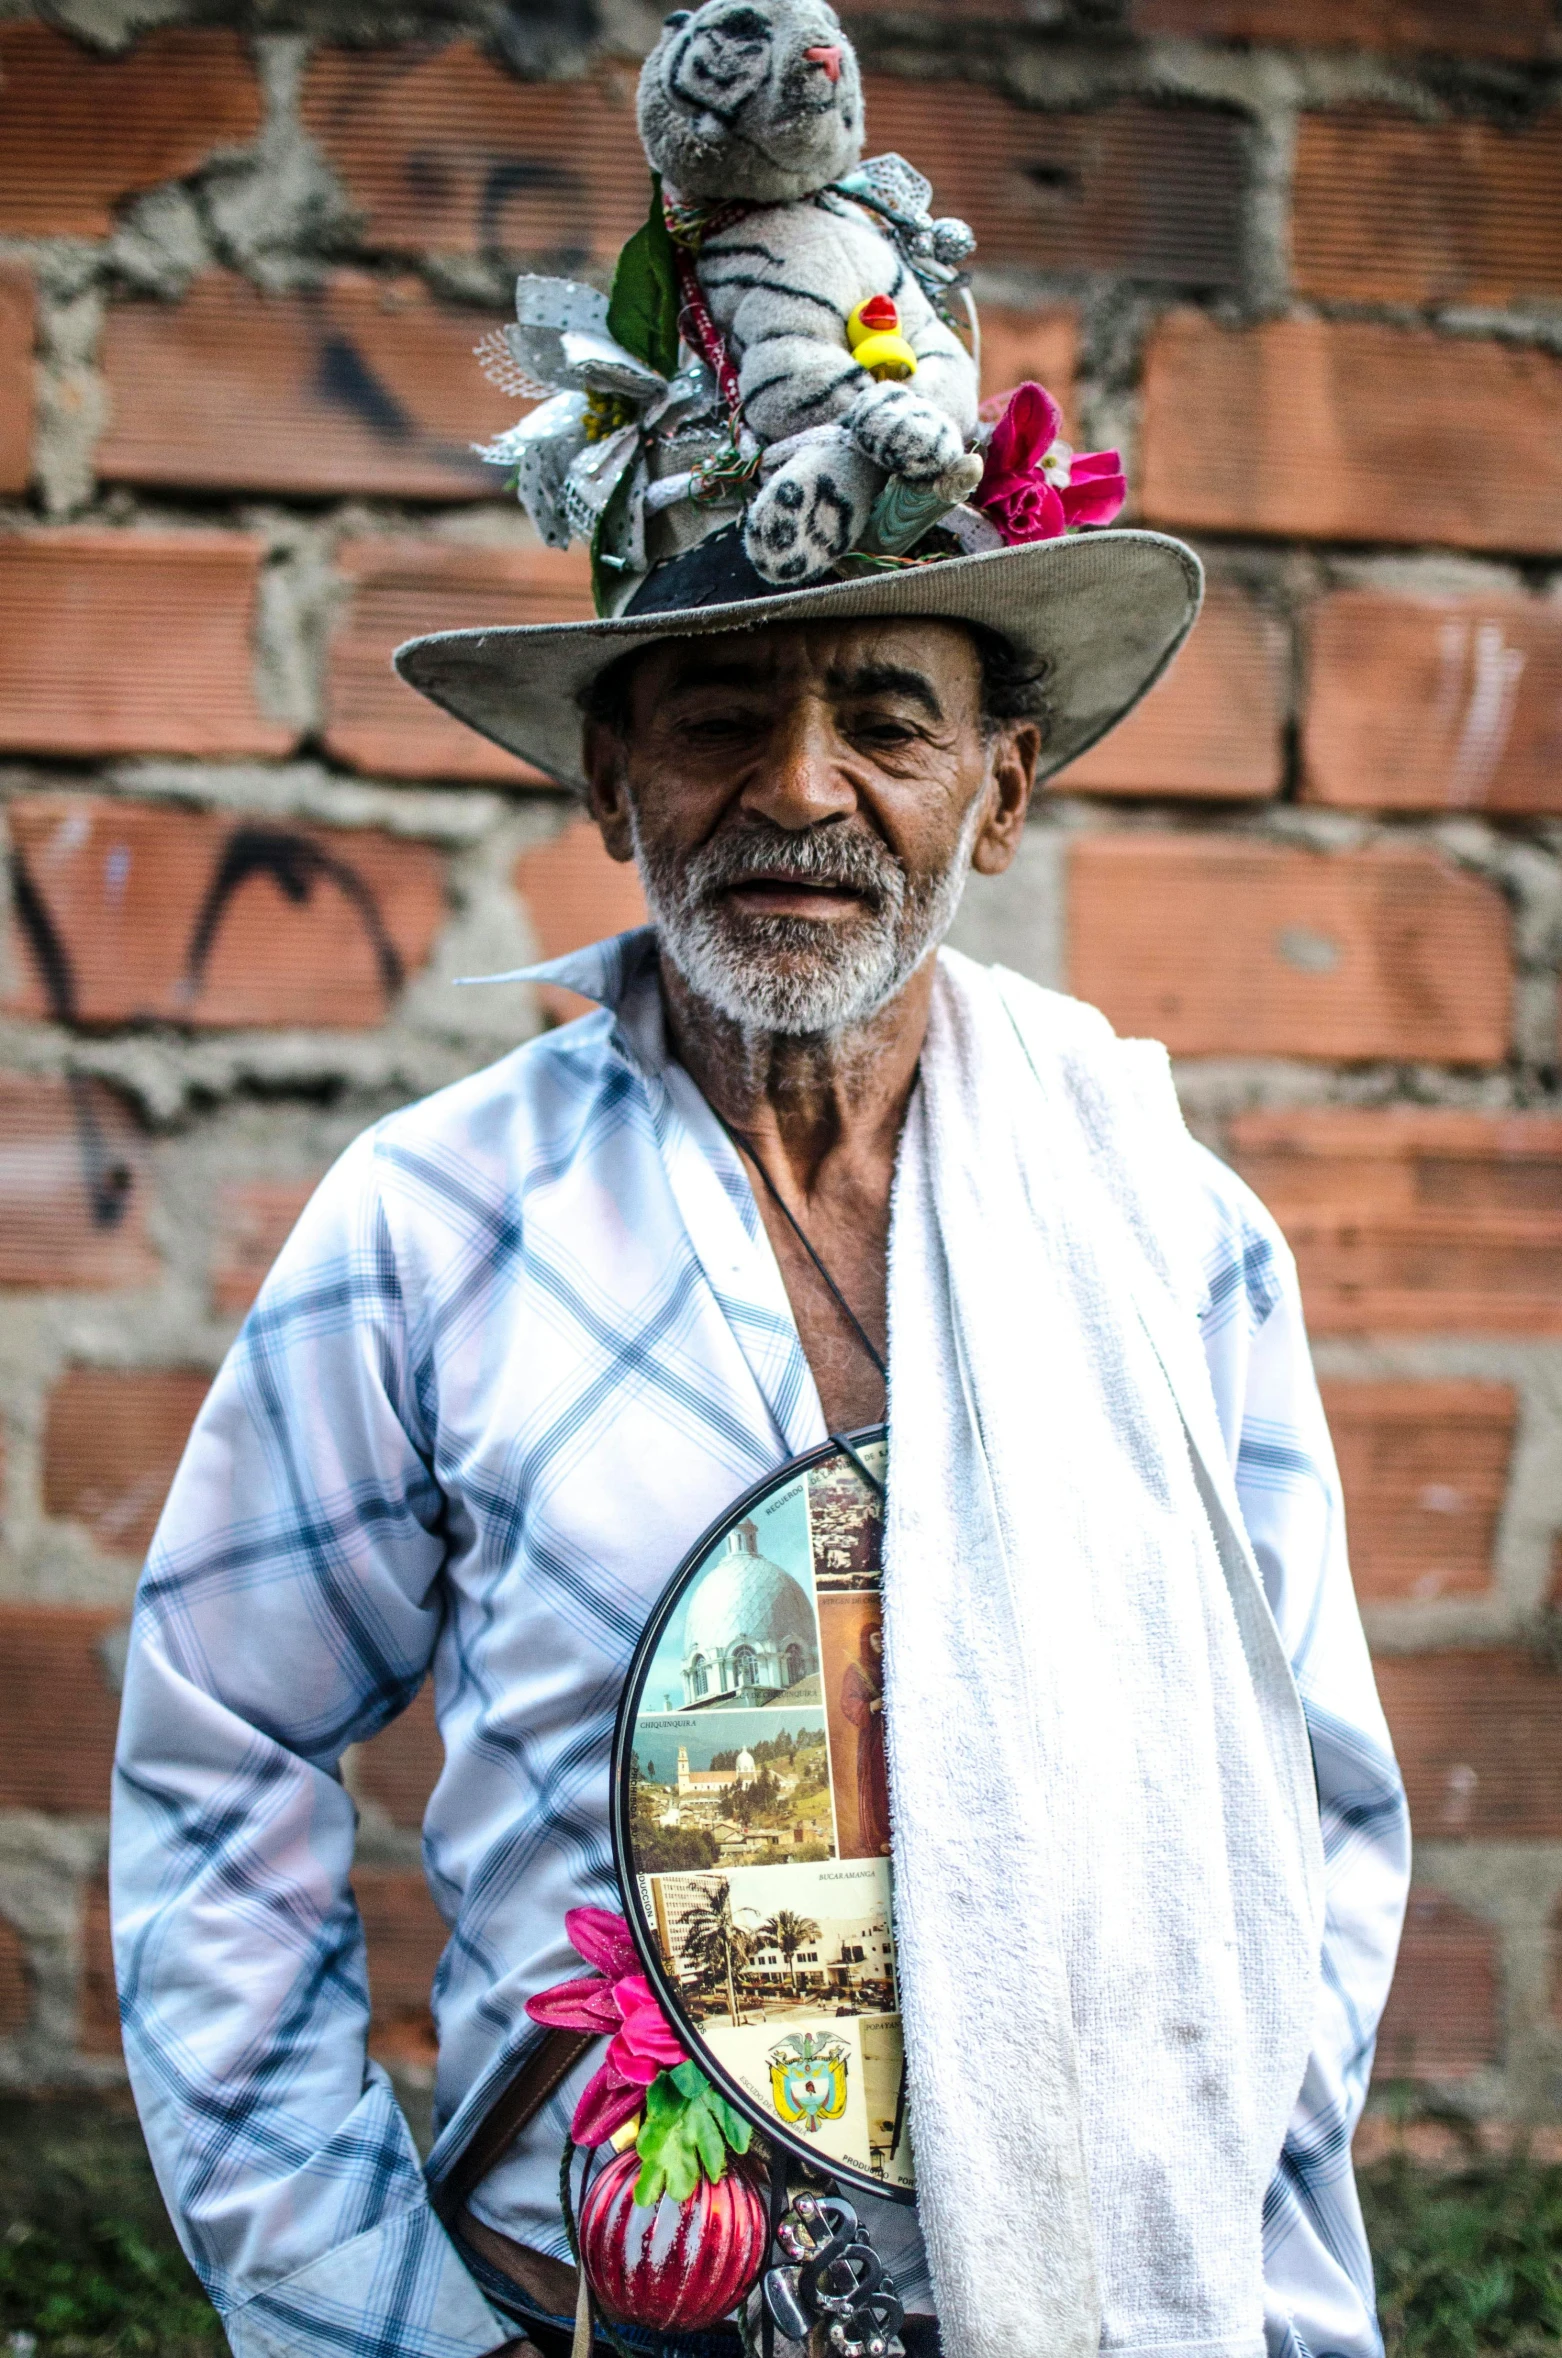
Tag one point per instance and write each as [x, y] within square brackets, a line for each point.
[17, 308]
[1479, 1740]
[406, 1935]
[16, 1987]
[80, 132]
[1491, 28]
[1389, 210]
[1434, 703]
[1345, 430]
[450, 152]
[1223, 946]
[317, 925]
[399, 1768]
[1415, 1220]
[58, 1712]
[254, 1219]
[1213, 726]
[363, 384]
[399, 588]
[1153, 192]
[1444, 2013]
[97, 2011]
[1041, 346]
[1425, 1469]
[112, 1441]
[574, 894]
[131, 642]
[72, 1187]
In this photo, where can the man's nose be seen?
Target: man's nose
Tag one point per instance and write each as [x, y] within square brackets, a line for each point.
[799, 782]
[828, 56]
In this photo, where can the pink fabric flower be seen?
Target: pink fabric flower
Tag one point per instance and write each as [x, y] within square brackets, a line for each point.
[1033, 486]
[603, 1940]
[1096, 489]
[617, 2001]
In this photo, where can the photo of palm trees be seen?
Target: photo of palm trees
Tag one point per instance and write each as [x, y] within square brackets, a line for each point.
[777, 1943]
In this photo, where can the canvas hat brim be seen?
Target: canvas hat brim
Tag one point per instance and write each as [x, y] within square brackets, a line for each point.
[1103, 612]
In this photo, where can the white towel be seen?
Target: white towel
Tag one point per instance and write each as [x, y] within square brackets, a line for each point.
[1108, 1869]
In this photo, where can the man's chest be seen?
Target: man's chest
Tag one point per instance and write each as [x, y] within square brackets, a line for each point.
[830, 1304]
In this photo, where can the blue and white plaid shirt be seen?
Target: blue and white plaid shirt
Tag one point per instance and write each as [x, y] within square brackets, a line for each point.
[526, 1342]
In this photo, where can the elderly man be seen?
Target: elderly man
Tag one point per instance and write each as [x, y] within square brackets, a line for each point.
[800, 1172]
[528, 1339]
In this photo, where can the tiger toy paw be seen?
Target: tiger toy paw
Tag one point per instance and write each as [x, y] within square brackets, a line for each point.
[902, 433]
[812, 510]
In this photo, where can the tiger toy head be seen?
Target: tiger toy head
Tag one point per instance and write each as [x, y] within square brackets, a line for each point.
[755, 99]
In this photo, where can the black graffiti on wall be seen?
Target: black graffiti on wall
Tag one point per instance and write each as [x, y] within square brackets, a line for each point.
[293, 862]
[295, 865]
[107, 1178]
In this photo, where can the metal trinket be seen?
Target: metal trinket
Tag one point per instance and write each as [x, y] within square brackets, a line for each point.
[833, 2277]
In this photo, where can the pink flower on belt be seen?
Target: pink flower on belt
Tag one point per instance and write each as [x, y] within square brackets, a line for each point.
[1035, 487]
[616, 2002]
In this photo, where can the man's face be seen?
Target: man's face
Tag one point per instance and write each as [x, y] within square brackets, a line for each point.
[805, 803]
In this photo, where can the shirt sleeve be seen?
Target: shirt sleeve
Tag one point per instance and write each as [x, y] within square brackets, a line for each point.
[288, 1608]
[1318, 2270]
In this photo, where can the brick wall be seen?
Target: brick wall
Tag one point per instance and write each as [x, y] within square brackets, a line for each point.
[1303, 262]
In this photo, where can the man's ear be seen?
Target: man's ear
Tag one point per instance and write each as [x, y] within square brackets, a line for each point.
[1012, 754]
[607, 788]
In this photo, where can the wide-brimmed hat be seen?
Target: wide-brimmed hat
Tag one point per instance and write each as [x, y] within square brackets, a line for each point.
[1098, 614]
[774, 419]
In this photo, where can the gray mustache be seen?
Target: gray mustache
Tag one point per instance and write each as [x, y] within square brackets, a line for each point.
[824, 855]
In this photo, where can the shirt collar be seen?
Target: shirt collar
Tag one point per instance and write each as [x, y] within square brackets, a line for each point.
[619, 974]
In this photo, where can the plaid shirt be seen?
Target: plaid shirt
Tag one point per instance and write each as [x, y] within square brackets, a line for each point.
[525, 1343]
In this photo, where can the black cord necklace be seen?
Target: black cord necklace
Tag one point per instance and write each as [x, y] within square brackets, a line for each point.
[785, 1209]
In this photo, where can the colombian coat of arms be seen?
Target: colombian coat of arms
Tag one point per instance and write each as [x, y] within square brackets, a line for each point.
[808, 2079]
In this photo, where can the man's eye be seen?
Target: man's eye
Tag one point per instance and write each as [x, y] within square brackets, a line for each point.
[729, 723]
[882, 728]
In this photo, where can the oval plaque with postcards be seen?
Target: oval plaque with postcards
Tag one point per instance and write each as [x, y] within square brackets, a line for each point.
[752, 1816]
[752, 1838]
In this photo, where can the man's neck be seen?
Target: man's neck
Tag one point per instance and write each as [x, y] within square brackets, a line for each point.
[822, 1118]
[804, 1101]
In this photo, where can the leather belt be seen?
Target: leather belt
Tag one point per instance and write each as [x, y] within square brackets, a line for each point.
[516, 2106]
[550, 2285]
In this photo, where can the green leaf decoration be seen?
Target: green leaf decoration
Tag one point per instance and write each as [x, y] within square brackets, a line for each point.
[643, 308]
[664, 2099]
[688, 2129]
[708, 2142]
[735, 2129]
[604, 565]
[669, 2159]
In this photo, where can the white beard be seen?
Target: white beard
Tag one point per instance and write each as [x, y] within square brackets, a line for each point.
[801, 976]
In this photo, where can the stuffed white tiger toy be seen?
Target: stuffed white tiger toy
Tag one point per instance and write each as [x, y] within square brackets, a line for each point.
[761, 100]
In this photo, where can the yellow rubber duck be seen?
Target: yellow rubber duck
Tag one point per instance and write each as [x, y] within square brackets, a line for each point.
[873, 332]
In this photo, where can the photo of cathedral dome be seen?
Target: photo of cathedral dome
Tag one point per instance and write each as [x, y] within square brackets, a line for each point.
[749, 1635]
